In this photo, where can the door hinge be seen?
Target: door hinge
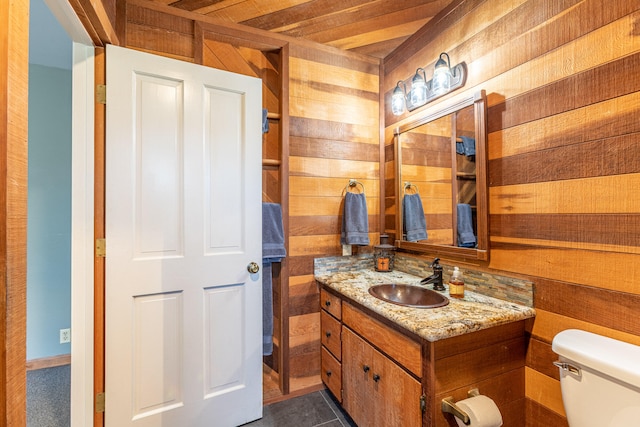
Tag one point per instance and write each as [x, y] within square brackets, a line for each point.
[101, 94]
[100, 402]
[101, 248]
[423, 403]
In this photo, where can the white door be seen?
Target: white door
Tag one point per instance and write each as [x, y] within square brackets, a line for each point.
[183, 222]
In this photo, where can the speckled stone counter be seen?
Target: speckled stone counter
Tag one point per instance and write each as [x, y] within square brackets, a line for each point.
[460, 316]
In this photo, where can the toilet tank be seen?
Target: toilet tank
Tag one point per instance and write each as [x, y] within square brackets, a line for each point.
[600, 379]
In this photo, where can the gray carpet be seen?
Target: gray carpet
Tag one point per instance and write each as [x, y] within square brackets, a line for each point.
[49, 397]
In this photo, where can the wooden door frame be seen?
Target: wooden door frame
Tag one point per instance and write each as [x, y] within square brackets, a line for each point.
[14, 112]
[14, 93]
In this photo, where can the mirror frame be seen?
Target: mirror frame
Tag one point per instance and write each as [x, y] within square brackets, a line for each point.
[481, 252]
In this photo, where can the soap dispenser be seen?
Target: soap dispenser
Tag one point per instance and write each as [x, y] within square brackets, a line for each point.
[456, 284]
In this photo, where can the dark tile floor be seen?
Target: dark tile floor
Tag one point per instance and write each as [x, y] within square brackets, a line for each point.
[310, 410]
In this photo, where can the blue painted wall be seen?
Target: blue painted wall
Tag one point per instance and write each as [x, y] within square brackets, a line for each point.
[49, 216]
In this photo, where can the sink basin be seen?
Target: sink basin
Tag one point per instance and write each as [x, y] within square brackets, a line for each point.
[409, 296]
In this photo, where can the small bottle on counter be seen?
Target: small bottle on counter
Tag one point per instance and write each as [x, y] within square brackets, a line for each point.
[456, 284]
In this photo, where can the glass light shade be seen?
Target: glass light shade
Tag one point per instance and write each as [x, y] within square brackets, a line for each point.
[418, 89]
[397, 101]
[441, 82]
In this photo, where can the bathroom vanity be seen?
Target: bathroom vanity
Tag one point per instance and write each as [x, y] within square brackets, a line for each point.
[391, 365]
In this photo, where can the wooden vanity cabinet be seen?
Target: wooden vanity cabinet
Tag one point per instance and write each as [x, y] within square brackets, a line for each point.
[385, 377]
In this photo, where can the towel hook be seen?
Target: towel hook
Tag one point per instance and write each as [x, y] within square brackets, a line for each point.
[353, 184]
[408, 185]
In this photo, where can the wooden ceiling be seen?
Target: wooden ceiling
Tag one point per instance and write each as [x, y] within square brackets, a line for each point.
[371, 27]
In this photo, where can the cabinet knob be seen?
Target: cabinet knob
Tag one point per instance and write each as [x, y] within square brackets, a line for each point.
[327, 303]
[328, 373]
[328, 334]
[365, 368]
[376, 377]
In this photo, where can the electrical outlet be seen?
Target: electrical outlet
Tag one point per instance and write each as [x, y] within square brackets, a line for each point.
[65, 336]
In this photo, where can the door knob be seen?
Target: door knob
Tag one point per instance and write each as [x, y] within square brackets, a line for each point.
[253, 268]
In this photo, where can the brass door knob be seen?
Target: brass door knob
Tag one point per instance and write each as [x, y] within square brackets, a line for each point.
[253, 268]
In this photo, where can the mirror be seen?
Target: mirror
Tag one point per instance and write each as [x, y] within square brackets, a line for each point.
[441, 177]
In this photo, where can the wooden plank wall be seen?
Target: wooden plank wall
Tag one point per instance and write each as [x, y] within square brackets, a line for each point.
[332, 135]
[563, 135]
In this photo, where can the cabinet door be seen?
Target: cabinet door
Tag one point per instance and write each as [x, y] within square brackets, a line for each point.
[357, 357]
[376, 391]
[396, 394]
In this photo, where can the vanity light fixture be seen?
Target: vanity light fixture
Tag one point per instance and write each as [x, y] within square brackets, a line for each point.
[445, 79]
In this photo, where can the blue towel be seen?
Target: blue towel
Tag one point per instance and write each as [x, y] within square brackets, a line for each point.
[355, 220]
[272, 232]
[467, 146]
[466, 238]
[273, 250]
[414, 223]
[265, 121]
[267, 309]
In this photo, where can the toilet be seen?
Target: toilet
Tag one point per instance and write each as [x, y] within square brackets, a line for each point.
[600, 379]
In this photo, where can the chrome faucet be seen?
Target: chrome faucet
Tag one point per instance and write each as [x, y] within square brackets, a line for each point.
[436, 277]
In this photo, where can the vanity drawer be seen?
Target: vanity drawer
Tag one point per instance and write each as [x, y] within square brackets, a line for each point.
[330, 330]
[331, 303]
[331, 373]
[396, 345]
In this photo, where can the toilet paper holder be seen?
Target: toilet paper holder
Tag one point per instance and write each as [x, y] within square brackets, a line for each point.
[449, 406]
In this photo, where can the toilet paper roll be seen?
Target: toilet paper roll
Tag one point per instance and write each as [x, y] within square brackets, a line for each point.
[482, 411]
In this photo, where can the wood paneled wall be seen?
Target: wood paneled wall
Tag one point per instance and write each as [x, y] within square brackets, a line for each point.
[334, 137]
[563, 90]
[330, 123]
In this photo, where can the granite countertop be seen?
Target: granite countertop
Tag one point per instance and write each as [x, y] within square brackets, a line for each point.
[460, 316]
